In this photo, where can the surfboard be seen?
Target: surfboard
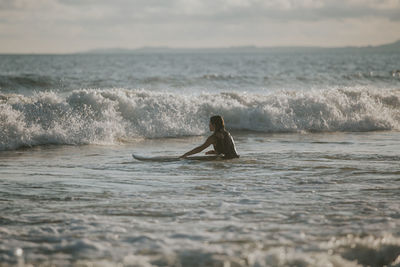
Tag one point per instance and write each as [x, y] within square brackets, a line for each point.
[171, 158]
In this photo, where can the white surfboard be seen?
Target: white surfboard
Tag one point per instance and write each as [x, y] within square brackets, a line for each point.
[171, 158]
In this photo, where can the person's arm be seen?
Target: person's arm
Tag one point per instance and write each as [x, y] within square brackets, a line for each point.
[210, 140]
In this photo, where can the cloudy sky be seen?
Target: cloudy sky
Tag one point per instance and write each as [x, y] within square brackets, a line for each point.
[63, 26]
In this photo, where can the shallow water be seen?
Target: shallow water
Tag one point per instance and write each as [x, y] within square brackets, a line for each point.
[290, 199]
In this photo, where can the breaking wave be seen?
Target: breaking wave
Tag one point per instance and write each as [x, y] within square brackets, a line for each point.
[106, 116]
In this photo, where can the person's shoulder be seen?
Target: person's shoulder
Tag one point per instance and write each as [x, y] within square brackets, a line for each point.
[226, 133]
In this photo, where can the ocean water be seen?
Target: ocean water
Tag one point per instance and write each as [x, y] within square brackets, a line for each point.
[317, 183]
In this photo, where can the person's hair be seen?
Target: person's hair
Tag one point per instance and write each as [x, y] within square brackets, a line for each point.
[218, 123]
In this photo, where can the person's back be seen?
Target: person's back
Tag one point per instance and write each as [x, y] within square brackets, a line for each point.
[225, 144]
[221, 140]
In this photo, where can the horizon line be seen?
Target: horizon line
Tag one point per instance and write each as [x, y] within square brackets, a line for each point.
[138, 49]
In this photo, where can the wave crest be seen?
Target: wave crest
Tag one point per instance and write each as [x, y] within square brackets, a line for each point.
[104, 116]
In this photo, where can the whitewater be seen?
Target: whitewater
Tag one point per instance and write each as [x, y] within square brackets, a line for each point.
[317, 182]
[109, 116]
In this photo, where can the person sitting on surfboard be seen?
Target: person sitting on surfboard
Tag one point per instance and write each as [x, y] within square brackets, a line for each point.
[221, 139]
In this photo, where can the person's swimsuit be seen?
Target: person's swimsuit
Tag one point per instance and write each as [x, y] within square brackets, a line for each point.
[225, 145]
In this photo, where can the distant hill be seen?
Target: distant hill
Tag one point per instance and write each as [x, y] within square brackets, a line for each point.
[389, 47]
[392, 47]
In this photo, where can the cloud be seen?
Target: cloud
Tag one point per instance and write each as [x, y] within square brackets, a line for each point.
[81, 24]
[160, 11]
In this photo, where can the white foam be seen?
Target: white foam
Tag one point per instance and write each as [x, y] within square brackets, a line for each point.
[105, 116]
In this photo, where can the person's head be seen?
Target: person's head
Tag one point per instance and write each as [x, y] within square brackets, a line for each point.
[216, 123]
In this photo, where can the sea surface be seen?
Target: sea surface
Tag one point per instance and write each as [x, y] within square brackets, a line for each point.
[317, 182]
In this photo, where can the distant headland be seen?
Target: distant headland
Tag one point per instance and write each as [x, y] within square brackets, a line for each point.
[391, 47]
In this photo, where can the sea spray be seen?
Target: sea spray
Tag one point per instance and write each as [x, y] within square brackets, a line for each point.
[105, 116]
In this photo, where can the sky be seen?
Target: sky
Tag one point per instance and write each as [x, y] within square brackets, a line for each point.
[67, 26]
